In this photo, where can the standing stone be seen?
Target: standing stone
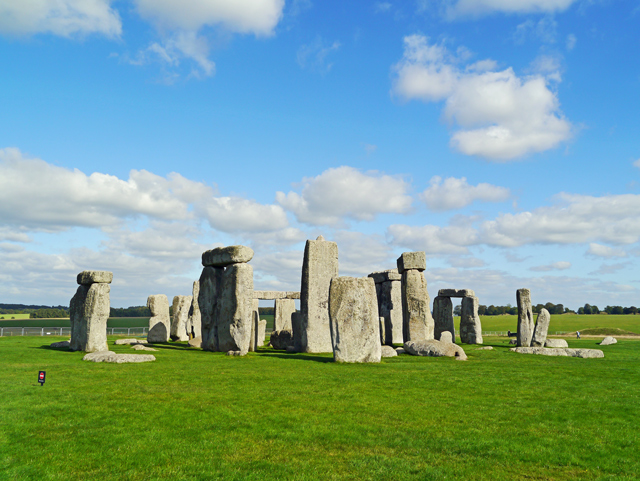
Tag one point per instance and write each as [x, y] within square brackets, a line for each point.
[181, 306]
[88, 312]
[608, 340]
[319, 266]
[417, 319]
[389, 292]
[160, 321]
[283, 310]
[354, 320]
[194, 324]
[383, 337]
[541, 329]
[234, 308]
[253, 341]
[470, 326]
[296, 327]
[443, 317]
[525, 318]
[262, 332]
[210, 289]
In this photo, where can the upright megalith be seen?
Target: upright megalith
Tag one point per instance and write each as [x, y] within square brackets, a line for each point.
[160, 321]
[180, 320]
[389, 293]
[443, 317]
[319, 266]
[283, 310]
[210, 289]
[542, 327]
[525, 318]
[296, 331]
[194, 323]
[354, 320]
[416, 313]
[470, 326]
[89, 311]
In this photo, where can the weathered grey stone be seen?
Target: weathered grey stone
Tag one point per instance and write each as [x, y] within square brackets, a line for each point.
[513, 342]
[354, 320]
[412, 260]
[292, 349]
[386, 276]
[556, 343]
[470, 326]
[210, 289]
[443, 317]
[388, 351]
[236, 353]
[320, 265]
[456, 293]
[400, 350]
[258, 333]
[181, 306]
[434, 348]
[582, 353]
[281, 339]
[255, 318]
[607, 341]
[485, 348]
[541, 329]
[131, 342]
[283, 309]
[416, 313]
[196, 342]
[262, 332]
[390, 308]
[234, 308]
[110, 356]
[226, 256]
[160, 321]
[87, 278]
[525, 318]
[381, 329]
[272, 295]
[60, 344]
[446, 337]
[140, 347]
[296, 330]
[88, 312]
[194, 322]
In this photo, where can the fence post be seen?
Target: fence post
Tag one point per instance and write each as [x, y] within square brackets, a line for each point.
[23, 331]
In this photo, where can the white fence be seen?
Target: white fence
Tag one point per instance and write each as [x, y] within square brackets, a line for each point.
[66, 331]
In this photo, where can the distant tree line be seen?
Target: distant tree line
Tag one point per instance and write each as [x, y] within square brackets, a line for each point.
[49, 313]
[133, 311]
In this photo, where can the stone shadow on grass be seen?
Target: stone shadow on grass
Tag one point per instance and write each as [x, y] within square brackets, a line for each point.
[296, 355]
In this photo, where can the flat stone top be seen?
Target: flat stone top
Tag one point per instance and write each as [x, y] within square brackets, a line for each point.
[412, 260]
[226, 256]
[95, 277]
[384, 276]
[456, 293]
[271, 295]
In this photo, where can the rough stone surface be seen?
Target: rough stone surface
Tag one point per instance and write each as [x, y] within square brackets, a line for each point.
[87, 278]
[292, 349]
[485, 348]
[443, 317]
[582, 353]
[181, 306]
[194, 322]
[525, 318]
[470, 326]
[196, 342]
[234, 309]
[110, 356]
[296, 330]
[400, 350]
[236, 353]
[281, 339]
[160, 321]
[435, 348]
[140, 347]
[132, 341]
[272, 295]
[226, 256]
[555, 343]
[390, 308]
[456, 293]
[210, 289]
[388, 351]
[541, 329]
[386, 276]
[283, 309]
[446, 337]
[353, 312]
[381, 329]
[607, 341]
[262, 332]
[320, 265]
[60, 344]
[88, 312]
[412, 260]
[416, 313]
[255, 318]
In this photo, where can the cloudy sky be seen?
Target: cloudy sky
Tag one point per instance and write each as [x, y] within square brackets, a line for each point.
[499, 136]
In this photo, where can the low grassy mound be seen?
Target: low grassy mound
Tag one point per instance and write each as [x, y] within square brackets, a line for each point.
[607, 331]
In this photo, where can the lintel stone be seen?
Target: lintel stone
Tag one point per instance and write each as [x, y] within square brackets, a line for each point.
[226, 256]
[384, 276]
[456, 293]
[86, 278]
[272, 295]
[412, 260]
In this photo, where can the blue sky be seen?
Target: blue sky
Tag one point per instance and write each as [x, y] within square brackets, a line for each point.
[499, 136]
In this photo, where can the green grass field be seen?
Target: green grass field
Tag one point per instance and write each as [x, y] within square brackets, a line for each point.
[112, 322]
[271, 415]
[15, 316]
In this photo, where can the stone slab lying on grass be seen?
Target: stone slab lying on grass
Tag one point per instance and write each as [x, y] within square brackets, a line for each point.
[485, 348]
[388, 351]
[582, 353]
[120, 342]
[140, 347]
[281, 339]
[435, 348]
[556, 343]
[237, 353]
[400, 350]
[110, 356]
[607, 341]
[196, 342]
[60, 344]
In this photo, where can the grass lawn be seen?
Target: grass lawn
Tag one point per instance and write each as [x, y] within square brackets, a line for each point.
[564, 322]
[112, 322]
[14, 316]
[271, 415]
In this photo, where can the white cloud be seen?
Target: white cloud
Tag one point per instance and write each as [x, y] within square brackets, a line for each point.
[571, 42]
[501, 116]
[361, 254]
[381, 7]
[599, 250]
[313, 56]
[609, 269]
[346, 192]
[466, 262]
[236, 214]
[59, 17]
[637, 164]
[461, 8]
[555, 266]
[433, 239]
[544, 30]
[453, 193]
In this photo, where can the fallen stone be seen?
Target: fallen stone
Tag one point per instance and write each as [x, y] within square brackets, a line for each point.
[525, 318]
[470, 326]
[555, 343]
[160, 320]
[60, 344]
[280, 340]
[416, 313]
[541, 329]
[607, 341]
[388, 351]
[443, 317]
[446, 337]
[87, 278]
[88, 314]
[236, 353]
[400, 350]
[110, 356]
[273, 295]
[412, 260]
[181, 306]
[582, 353]
[121, 342]
[456, 293]
[385, 276]
[435, 348]
[140, 347]
[354, 320]
[226, 256]
[291, 349]
[196, 342]
[485, 348]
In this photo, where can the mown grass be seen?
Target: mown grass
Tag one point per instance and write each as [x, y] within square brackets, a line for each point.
[272, 415]
[13, 316]
[565, 322]
[111, 322]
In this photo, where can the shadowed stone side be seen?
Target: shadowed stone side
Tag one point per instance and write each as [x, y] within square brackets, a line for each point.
[281, 339]
[319, 266]
[283, 310]
[194, 324]
[470, 326]
[354, 320]
[210, 288]
[296, 331]
[389, 293]
[181, 306]
[417, 319]
[456, 293]
[234, 308]
[88, 312]
[443, 317]
[525, 318]
[160, 321]
[541, 329]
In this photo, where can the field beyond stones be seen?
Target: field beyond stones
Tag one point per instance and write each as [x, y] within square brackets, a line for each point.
[273, 415]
